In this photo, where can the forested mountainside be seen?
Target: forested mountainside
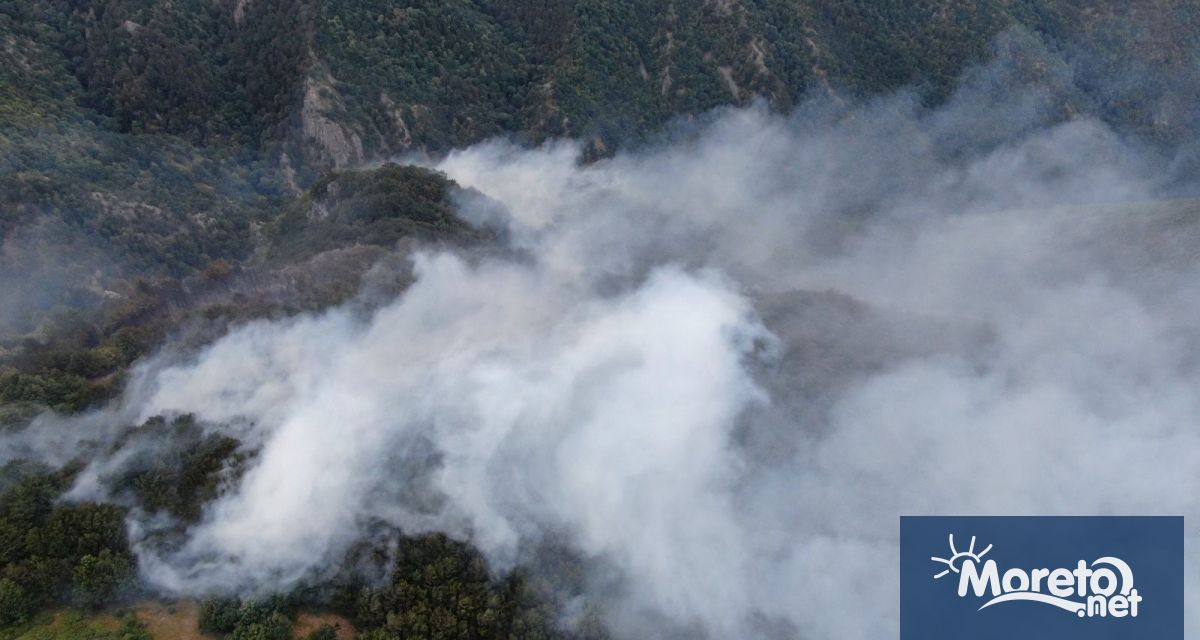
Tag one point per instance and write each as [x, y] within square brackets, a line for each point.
[160, 136]
[350, 81]
[172, 168]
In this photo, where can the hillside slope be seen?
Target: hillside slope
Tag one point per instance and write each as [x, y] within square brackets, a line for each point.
[340, 82]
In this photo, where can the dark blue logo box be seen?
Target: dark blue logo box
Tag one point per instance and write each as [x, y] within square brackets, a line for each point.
[1023, 579]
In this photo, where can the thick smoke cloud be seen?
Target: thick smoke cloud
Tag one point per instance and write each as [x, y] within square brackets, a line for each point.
[1001, 337]
[721, 367]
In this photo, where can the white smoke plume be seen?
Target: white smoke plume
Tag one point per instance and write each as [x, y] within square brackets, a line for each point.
[723, 366]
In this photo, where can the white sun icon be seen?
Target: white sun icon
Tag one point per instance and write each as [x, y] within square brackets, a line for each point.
[957, 557]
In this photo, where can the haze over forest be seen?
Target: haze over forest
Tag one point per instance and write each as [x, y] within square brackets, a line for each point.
[613, 319]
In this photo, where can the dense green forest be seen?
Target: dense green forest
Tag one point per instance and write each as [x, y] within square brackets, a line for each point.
[204, 162]
[321, 79]
[53, 552]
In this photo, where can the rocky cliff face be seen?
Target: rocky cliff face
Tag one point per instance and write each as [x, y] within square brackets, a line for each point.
[327, 139]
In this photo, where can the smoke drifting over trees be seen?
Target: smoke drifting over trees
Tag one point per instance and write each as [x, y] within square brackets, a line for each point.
[716, 369]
